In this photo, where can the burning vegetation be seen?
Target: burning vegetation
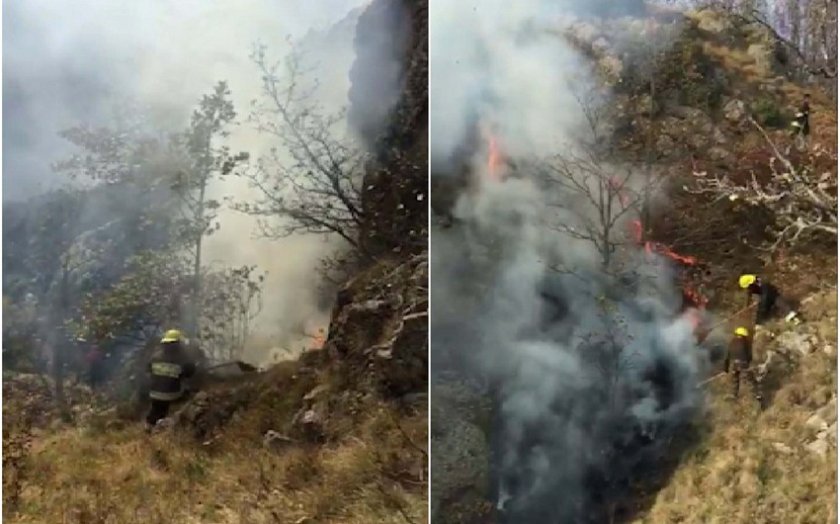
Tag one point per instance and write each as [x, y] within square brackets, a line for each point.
[573, 329]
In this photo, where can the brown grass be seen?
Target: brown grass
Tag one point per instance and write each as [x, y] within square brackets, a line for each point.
[127, 477]
[738, 475]
[371, 468]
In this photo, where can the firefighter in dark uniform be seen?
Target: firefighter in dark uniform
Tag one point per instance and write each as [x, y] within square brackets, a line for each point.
[168, 367]
[770, 300]
[737, 363]
[802, 122]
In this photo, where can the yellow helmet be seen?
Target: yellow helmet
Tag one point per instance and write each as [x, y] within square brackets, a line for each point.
[742, 332]
[173, 335]
[746, 281]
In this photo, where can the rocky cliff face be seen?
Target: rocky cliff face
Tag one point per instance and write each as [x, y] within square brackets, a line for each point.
[395, 199]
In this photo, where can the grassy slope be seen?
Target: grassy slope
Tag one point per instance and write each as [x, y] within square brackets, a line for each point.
[370, 473]
[740, 474]
[751, 466]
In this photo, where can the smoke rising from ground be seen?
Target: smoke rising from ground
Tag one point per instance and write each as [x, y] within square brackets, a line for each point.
[67, 64]
[588, 369]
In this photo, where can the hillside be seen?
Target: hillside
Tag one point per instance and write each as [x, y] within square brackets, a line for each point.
[680, 88]
[338, 435]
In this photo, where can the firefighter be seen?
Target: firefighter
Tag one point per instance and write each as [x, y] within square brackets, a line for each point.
[95, 362]
[769, 300]
[802, 122]
[168, 367]
[739, 358]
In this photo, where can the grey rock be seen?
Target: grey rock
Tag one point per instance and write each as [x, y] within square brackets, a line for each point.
[665, 145]
[820, 447]
[460, 450]
[828, 412]
[816, 422]
[782, 448]
[796, 343]
[719, 154]
[735, 110]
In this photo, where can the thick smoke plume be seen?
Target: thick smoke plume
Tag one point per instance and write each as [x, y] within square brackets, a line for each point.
[72, 64]
[591, 369]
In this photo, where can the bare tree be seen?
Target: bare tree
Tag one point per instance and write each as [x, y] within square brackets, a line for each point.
[311, 183]
[599, 197]
[807, 29]
[602, 198]
[801, 195]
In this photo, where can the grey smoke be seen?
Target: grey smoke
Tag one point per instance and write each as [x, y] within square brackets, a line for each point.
[376, 75]
[67, 64]
[589, 370]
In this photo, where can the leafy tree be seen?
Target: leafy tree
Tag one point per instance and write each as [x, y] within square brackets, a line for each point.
[229, 307]
[206, 159]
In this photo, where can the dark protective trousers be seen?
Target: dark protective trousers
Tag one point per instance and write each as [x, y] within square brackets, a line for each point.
[158, 411]
[741, 368]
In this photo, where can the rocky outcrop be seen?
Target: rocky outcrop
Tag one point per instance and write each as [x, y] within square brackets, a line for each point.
[784, 347]
[379, 326]
[394, 197]
[460, 454]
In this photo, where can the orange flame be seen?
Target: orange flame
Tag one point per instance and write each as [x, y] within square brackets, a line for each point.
[494, 159]
[319, 339]
[495, 162]
[694, 303]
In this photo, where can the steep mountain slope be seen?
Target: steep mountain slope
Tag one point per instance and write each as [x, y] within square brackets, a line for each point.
[679, 88]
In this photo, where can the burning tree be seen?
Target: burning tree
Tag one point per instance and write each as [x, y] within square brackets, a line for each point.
[600, 198]
[800, 194]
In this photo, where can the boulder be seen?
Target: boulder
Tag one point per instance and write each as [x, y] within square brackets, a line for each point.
[713, 21]
[816, 422]
[665, 145]
[819, 447]
[735, 110]
[793, 342]
[782, 448]
[460, 450]
[719, 154]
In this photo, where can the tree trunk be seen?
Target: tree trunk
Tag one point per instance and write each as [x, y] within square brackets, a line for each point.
[196, 306]
[56, 347]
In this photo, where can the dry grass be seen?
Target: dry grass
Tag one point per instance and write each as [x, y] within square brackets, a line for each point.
[739, 474]
[76, 476]
[370, 468]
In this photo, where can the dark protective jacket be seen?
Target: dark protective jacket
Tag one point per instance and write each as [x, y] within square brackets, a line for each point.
[740, 348]
[767, 297]
[168, 366]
